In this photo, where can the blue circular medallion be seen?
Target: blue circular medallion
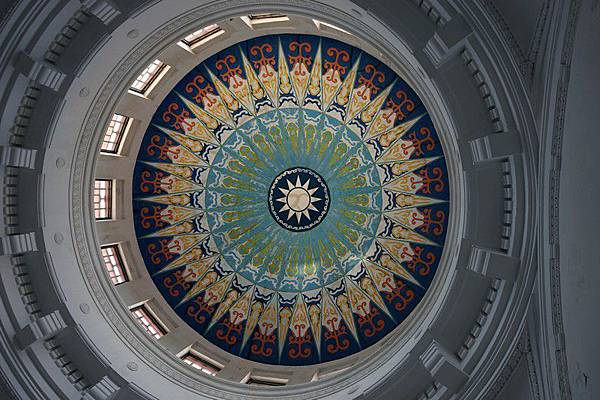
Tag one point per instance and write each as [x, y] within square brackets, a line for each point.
[298, 199]
[291, 199]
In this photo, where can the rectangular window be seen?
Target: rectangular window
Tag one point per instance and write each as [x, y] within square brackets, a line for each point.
[202, 36]
[114, 264]
[143, 315]
[149, 77]
[264, 18]
[200, 363]
[117, 128]
[103, 199]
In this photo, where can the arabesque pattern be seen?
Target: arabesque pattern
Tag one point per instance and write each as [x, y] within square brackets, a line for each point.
[235, 247]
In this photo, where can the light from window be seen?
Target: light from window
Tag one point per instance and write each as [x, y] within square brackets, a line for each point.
[117, 128]
[320, 25]
[254, 380]
[201, 364]
[103, 199]
[114, 264]
[264, 18]
[148, 322]
[149, 76]
[202, 36]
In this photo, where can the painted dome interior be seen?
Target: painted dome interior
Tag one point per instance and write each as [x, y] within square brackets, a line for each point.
[290, 199]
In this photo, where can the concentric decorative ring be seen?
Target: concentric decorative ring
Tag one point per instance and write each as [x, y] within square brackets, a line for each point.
[291, 199]
[298, 199]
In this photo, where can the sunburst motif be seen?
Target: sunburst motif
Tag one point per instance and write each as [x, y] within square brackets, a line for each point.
[298, 199]
[291, 199]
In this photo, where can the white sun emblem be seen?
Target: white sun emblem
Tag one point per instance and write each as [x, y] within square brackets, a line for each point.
[298, 199]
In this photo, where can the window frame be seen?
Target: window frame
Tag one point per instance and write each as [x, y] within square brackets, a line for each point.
[152, 319]
[205, 365]
[120, 134]
[109, 200]
[121, 266]
[155, 77]
[205, 37]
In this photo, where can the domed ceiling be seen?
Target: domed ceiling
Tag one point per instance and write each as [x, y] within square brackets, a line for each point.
[290, 199]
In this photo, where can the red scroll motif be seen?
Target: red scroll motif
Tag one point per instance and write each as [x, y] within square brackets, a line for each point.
[196, 85]
[335, 334]
[335, 65]
[368, 319]
[419, 263]
[298, 341]
[400, 294]
[231, 326]
[420, 140]
[261, 349]
[164, 251]
[397, 108]
[155, 217]
[302, 55]
[428, 221]
[369, 82]
[177, 120]
[154, 184]
[227, 63]
[163, 149]
[434, 180]
[264, 59]
[198, 307]
[179, 281]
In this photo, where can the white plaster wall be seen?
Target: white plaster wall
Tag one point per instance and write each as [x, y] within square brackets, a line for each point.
[579, 213]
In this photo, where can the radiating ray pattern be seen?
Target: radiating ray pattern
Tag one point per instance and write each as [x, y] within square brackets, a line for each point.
[291, 199]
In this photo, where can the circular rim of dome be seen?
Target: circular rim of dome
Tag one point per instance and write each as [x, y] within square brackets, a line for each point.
[365, 130]
[373, 367]
[161, 362]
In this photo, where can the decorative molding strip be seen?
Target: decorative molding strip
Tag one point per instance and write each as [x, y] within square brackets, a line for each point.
[536, 42]
[28, 296]
[40, 72]
[10, 200]
[18, 157]
[434, 11]
[66, 36]
[489, 98]
[24, 112]
[533, 378]
[507, 373]
[507, 223]
[104, 10]
[481, 320]
[18, 244]
[443, 366]
[105, 389]
[68, 369]
[44, 327]
[525, 65]
[557, 127]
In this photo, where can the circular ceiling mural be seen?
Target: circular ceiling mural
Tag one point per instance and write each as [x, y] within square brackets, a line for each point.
[290, 199]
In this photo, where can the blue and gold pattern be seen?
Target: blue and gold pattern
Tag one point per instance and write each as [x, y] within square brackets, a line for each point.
[290, 199]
